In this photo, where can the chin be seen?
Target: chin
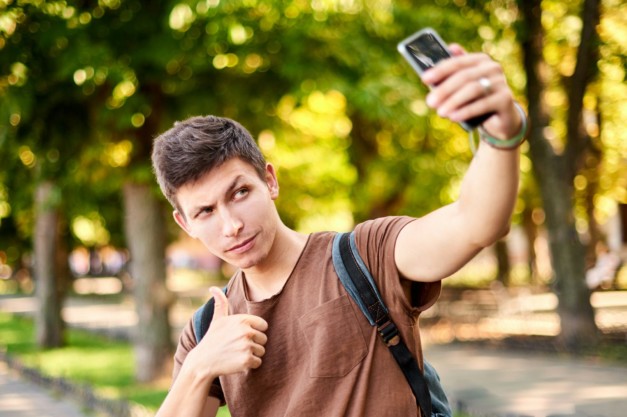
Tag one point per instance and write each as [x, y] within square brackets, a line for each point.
[244, 263]
[252, 262]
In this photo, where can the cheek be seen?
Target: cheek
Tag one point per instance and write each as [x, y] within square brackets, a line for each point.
[203, 230]
[211, 242]
[210, 230]
[254, 208]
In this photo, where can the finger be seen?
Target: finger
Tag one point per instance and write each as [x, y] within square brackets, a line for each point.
[221, 303]
[255, 322]
[476, 108]
[254, 362]
[258, 350]
[259, 338]
[468, 92]
[466, 77]
[447, 67]
[455, 91]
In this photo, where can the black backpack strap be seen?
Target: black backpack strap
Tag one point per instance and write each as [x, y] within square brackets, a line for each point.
[202, 318]
[359, 284]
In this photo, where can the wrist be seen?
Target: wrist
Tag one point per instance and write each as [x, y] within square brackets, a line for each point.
[507, 143]
[197, 370]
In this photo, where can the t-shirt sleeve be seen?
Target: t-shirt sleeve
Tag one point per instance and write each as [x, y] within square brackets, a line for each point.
[187, 341]
[376, 240]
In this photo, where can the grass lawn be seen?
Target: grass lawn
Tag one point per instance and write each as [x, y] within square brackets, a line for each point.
[105, 365]
[87, 359]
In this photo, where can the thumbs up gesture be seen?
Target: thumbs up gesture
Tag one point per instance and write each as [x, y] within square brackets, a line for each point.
[221, 308]
[233, 343]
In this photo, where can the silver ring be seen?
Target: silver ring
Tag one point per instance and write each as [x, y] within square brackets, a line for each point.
[486, 84]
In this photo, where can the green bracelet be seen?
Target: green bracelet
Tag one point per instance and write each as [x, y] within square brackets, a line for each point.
[506, 143]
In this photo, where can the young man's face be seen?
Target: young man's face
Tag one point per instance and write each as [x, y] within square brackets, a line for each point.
[231, 210]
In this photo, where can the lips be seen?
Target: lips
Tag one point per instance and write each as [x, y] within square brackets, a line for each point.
[242, 246]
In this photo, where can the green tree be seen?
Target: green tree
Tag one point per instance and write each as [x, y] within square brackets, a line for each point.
[138, 45]
[78, 95]
[556, 168]
[46, 124]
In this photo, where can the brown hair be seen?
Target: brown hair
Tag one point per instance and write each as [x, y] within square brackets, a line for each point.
[195, 146]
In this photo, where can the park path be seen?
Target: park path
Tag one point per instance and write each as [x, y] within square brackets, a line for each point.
[495, 382]
[20, 398]
[484, 380]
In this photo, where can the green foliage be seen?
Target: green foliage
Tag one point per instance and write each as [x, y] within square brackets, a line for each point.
[46, 114]
[86, 86]
[114, 77]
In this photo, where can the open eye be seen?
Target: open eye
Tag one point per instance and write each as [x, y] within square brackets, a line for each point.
[204, 211]
[240, 193]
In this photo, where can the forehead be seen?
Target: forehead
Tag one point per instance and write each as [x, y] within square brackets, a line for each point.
[213, 184]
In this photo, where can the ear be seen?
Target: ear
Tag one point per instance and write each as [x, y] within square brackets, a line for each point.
[180, 220]
[272, 182]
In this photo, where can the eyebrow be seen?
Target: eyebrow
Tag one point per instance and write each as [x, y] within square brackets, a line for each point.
[232, 186]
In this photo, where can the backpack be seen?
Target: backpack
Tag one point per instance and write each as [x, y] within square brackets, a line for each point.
[361, 287]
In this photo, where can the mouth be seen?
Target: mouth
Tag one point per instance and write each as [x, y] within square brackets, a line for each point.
[242, 246]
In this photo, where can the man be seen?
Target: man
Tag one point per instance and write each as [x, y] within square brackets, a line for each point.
[288, 341]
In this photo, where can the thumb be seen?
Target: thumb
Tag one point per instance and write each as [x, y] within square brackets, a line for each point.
[221, 302]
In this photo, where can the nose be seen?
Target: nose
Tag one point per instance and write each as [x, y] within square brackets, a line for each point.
[231, 223]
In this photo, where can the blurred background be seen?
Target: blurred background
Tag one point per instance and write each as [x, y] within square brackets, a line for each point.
[87, 241]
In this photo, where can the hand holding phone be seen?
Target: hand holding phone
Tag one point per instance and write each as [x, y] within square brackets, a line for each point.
[423, 50]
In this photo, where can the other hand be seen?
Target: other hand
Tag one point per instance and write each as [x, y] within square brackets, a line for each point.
[233, 343]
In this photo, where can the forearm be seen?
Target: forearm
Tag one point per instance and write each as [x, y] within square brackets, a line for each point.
[189, 396]
[488, 193]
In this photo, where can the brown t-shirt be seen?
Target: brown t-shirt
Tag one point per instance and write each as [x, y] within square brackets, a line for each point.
[322, 356]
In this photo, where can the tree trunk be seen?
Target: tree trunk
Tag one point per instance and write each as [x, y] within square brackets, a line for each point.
[531, 233]
[555, 174]
[363, 153]
[145, 231]
[622, 212]
[578, 327]
[48, 280]
[593, 166]
[502, 262]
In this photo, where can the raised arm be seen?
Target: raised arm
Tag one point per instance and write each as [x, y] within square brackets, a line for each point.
[438, 244]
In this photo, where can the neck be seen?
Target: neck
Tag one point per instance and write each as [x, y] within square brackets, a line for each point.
[268, 278]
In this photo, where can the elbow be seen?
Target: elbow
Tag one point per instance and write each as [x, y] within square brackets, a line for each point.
[504, 231]
[490, 237]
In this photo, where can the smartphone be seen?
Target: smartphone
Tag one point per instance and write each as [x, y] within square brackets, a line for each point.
[423, 50]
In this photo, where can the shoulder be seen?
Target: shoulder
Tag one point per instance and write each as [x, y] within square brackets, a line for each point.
[376, 241]
[381, 231]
